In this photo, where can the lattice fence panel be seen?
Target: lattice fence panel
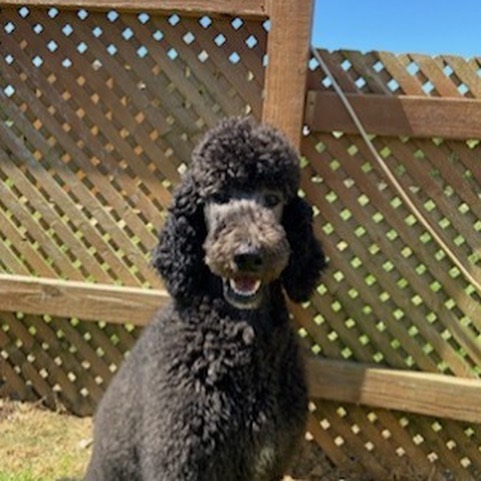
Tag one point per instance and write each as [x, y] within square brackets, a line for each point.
[397, 272]
[386, 445]
[391, 296]
[385, 73]
[98, 116]
[65, 362]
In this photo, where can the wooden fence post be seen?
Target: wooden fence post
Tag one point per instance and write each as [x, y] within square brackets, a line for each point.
[288, 54]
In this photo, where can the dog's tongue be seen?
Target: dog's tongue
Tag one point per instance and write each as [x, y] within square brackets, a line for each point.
[245, 285]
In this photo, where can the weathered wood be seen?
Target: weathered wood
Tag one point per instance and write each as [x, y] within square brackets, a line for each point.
[287, 50]
[454, 118]
[434, 395]
[95, 302]
[432, 68]
[252, 8]
[423, 393]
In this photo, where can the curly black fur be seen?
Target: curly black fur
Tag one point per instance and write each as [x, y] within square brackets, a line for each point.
[212, 392]
[239, 154]
[307, 259]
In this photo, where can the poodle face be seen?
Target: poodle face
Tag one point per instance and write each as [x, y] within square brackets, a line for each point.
[246, 245]
[237, 216]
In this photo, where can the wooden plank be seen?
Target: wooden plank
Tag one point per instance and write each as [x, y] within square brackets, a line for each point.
[14, 383]
[42, 359]
[251, 8]
[236, 74]
[95, 302]
[464, 72]
[414, 116]
[422, 393]
[417, 392]
[431, 68]
[396, 67]
[288, 46]
[362, 67]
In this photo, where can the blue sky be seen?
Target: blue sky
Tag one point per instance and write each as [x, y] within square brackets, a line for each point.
[407, 26]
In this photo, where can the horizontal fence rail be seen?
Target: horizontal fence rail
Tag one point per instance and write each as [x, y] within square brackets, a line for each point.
[422, 393]
[86, 301]
[401, 115]
[434, 395]
[251, 8]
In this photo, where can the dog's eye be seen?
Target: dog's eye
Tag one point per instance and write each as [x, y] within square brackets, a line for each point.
[271, 199]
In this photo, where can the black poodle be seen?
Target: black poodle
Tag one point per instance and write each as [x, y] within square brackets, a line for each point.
[214, 389]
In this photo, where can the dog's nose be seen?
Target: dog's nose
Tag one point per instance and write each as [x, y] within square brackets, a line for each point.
[249, 261]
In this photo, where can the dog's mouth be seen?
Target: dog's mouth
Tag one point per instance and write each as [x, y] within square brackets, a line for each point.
[243, 292]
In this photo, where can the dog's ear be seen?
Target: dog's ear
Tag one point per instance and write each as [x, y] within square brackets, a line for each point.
[179, 254]
[307, 259]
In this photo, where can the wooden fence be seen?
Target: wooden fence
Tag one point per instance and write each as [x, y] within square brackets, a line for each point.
[392, 297]
[99, 110]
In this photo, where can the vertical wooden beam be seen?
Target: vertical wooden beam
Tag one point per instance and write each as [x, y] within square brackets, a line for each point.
[288, 54]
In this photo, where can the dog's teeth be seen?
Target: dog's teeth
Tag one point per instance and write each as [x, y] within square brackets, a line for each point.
[245, 287]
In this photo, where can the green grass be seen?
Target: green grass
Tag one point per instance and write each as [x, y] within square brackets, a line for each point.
[39, 445]
[25, 476]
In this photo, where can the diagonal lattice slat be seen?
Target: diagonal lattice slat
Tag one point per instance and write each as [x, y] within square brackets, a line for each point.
[98, 131]
[99, 114]
[385, 73]
[392, 296]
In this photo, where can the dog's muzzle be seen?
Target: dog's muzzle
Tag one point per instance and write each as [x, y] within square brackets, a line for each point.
[245, 289]
[247, 247]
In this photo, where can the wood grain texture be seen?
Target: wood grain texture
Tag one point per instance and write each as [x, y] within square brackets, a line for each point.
[94, 302]
[430, 394]
[452, 118]
[252, 8]
[422, 393]
[288, 50]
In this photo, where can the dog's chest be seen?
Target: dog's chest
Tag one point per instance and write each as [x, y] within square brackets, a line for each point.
[235, 376]
[264, 461]
[262, 434]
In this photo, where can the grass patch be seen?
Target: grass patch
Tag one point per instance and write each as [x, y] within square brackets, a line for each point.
[40, 445]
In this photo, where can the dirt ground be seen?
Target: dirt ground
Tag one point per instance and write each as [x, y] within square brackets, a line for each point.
[312, 464]
[41, 445]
